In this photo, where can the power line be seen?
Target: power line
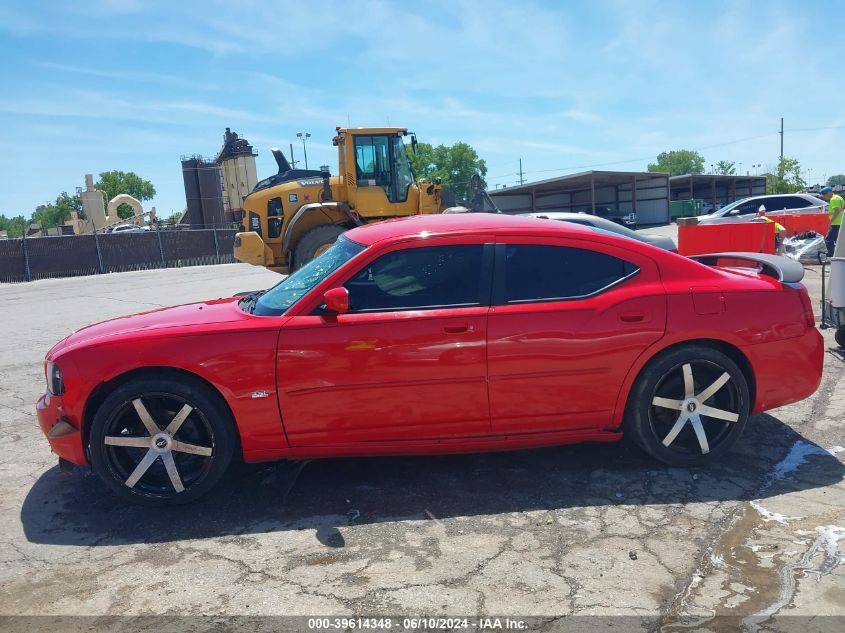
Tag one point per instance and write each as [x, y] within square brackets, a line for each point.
[636, 160]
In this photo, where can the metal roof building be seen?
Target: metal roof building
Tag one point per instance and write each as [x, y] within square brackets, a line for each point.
[716, 189]
[646, 193]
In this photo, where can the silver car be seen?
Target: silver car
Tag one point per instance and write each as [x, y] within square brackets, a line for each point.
[603, 224]
[745, 210]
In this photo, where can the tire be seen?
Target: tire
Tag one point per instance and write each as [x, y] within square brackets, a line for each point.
[314, 241]
[840, 336]
[672, 430]
[148, 465]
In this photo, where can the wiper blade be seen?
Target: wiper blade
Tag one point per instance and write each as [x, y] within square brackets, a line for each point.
[247, 304]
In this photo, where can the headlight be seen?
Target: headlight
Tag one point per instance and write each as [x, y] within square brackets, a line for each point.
[54, 379]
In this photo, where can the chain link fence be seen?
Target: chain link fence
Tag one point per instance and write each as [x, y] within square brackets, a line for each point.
[74, 255]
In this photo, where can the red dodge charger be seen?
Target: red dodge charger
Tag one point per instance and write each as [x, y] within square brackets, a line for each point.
[439, 334]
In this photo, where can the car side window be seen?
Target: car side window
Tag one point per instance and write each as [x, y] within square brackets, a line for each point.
[796, 202]
[779, 203]
[750, 207]
[535, 272]
[418, 278]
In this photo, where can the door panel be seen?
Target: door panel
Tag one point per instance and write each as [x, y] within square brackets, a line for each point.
[409, 361]
[559, 365]
[384, 376]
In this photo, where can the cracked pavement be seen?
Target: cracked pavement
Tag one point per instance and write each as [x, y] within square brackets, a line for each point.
[585, 529]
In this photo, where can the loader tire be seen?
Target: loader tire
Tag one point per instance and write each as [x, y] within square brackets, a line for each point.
[314, 242]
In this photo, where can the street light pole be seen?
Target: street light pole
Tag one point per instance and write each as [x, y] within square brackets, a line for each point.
[303, 136]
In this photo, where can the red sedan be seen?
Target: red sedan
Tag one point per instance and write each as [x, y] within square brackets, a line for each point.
[438, 334]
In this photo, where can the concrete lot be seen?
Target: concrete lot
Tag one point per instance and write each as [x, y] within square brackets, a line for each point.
[591, 529]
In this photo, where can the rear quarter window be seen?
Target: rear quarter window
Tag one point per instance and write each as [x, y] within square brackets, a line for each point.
[536, 272]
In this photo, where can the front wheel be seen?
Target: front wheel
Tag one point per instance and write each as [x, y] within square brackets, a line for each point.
[688, 406]
[162, 442]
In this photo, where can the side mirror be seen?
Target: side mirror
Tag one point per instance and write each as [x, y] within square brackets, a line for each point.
[337, 300]
[734, 212]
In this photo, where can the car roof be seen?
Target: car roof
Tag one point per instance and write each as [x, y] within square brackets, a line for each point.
[596, 220]
[806, 196]
[462, 224]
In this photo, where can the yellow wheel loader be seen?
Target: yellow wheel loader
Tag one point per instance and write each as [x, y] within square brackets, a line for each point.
[296, 214]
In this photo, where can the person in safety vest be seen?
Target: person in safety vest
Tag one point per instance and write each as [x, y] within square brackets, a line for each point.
[835, 209]
[779, 229]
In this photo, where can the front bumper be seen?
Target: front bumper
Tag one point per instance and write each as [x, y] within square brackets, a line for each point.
[64, 437]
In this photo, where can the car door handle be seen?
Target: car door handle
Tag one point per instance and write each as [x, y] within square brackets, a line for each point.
[457, 329]
[632, 317]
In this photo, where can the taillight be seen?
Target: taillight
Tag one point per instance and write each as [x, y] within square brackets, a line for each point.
[809, 317]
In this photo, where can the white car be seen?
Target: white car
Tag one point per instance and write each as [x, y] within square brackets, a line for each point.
[603, 224]
[128, 228]
[746, 209]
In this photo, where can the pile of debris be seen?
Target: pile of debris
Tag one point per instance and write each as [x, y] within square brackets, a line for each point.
[805, 247]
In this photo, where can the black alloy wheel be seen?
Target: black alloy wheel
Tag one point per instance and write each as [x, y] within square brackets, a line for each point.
[162, 442]
[688, 406]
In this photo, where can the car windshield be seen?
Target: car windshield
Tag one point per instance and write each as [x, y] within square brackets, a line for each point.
[284, 294]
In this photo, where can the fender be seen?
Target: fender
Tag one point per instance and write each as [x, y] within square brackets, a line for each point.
[236, 363]
[321, 207]
[670, 339]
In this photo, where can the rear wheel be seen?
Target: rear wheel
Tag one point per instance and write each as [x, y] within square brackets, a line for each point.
[162, 442]
[688, 406]
[840, 336]
[315, 242]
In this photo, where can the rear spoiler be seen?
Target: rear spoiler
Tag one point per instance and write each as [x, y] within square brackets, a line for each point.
[783, 269]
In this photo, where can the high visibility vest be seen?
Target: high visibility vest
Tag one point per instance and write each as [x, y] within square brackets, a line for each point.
[836, 202]
[778, 226]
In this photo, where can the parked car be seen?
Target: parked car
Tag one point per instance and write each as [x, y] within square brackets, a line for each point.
[746, 209]
[587, 219]
[128, 228]
[437, 334]
[625, 219]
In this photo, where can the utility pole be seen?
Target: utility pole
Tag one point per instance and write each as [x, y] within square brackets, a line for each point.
[521, 173]
[778, 172]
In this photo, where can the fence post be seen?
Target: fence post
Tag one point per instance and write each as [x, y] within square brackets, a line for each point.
[160, 248]
[26, 257]
[216, 246]
[99, 254]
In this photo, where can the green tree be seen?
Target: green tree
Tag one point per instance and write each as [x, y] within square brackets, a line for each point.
[58, 212]
[838, 179]
[678, 162]
[726, 168]
[15, 226]
[174, 217]
[455, 165]
[787, 177]
[113, 183]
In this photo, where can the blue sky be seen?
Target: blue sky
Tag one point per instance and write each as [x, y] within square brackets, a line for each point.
[566, 86]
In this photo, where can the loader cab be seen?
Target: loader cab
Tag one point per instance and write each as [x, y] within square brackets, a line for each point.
[381, 161]
[377, 171]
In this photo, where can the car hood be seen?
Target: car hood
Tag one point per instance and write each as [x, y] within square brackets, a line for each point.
[191, 316]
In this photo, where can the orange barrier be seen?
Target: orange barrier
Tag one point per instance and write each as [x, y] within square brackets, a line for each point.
[747, 237]
[796, 223]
